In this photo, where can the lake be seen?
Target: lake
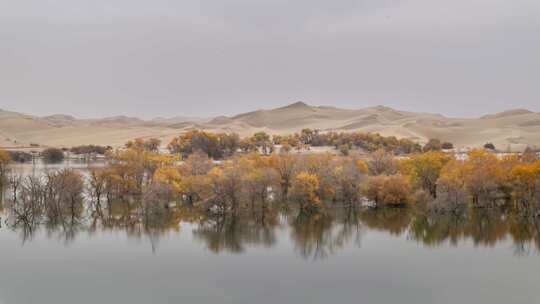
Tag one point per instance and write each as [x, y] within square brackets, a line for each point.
[344, 256]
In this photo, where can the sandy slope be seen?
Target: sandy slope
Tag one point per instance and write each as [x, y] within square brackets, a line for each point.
[515, 128]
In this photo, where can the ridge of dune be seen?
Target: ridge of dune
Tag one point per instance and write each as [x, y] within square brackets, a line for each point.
[516, 128]
[514, 112]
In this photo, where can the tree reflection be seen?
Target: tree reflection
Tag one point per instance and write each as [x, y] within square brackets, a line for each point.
[318, 236]
[525, 234]
[484, 227]
[234, 232]
[64, 213]
[393, 220]
[436, 228]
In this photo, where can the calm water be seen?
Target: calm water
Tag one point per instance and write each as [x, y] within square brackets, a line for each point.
[347, 256]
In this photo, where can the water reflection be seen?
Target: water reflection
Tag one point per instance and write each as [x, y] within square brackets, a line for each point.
[314, 236]
[234, 232]
[483, 227]
[396, 221]
[318, 236]
[55, 204]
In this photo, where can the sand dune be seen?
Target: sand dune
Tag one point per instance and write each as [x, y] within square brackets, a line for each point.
[513, 129]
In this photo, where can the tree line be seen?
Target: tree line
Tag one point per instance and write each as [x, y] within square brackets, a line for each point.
[223, 145]
[258, 179]
[314, 181]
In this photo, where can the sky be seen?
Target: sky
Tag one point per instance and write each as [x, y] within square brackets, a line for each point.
[94, 58]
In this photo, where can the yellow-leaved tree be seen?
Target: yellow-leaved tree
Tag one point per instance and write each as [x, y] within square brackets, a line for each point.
[5, 160]
[526, 181]
[451, 182]
[425, 169]
[394, 190]
[483, 176]
[304, 190]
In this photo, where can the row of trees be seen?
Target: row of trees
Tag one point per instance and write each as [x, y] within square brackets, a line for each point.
[257, 179]
[223, 145]
[247, 180]
[91, 149]
[315, 236]
[53, 197]
[139, 186]
[369, 142]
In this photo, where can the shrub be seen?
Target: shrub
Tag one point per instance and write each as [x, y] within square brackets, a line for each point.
[20, 156]
[87, 149]
[447, 145]
[433, 145]
[52, 155]
[489, 146]
[344, 149]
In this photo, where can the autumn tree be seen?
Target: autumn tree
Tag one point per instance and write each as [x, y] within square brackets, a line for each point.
[374, 187]
[263, 142]
[526, 178]
[433, 145]
[226, 184]
[285, 148]
[482, 176]
[217, 189]
[247, 145]
[259, 181]
[424, 170]
[407, 146]
[63, 193]
[382, 162]
[277, 139]
[292, 140]
[193, 177]
[344, 150]
[216, 146]
[189, 180]
[171, 177]
[192, 141]
[349, 176]
[97, 184]
[285, 166]
[308, 135]
[529, 155]
[152, 144]
[197, 164]
[304, 190]
[391, 190]
[5, 160]
[451, 183]
[228, 143]
[396, 190]
[134, 168]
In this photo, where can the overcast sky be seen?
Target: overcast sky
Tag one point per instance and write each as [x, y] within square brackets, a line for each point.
[209, 57]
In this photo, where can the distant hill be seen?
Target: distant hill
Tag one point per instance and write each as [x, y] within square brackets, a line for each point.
[515, 128]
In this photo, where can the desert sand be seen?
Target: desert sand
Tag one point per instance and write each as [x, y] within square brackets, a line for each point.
[514, 129]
